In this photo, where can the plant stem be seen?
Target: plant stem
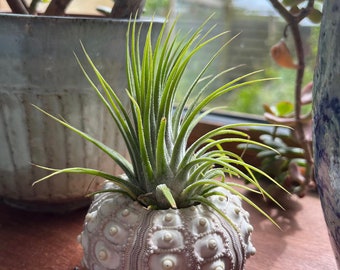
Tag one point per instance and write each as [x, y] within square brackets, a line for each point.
[33, 6]
[57, 7]
[18, 6]
[127, 8]
[293, 22]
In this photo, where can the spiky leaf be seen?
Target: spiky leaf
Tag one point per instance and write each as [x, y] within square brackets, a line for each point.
[163, 171]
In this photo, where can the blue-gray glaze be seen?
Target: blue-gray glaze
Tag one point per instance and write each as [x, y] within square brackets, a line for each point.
[326, 131]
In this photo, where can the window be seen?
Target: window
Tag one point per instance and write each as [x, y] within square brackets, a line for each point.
[259, 27]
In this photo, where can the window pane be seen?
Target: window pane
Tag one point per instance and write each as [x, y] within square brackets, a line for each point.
[259, 27]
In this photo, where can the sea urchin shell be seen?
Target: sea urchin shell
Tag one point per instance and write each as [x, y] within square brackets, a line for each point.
[119, 233]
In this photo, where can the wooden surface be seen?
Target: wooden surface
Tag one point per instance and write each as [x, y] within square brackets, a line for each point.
[48, 241]
[303, 243]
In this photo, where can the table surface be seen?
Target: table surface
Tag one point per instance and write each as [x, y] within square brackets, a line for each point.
[48, 241]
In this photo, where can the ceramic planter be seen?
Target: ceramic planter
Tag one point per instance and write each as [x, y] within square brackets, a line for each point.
[326, 109]
[38, 67]
[119, 233]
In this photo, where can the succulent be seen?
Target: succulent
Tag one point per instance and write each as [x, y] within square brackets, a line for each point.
[286, 165]
[286, 113]
[164, 173]
[290, 165]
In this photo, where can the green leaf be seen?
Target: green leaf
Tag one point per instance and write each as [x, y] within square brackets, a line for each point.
[162, 156]
[282, 108]
[315, 16]
[162, 191]
[291, 2]
[206, 202]
[124, 184]
[232, 190]
[164, 170]
[114, 155]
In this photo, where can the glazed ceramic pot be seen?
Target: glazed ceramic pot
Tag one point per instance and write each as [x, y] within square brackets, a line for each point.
[326, 108]
[38, 66]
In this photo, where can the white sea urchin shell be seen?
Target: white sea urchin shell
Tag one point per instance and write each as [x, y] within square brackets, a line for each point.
[119, 233]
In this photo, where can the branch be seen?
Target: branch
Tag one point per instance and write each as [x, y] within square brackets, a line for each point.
[293, 22]
[57, 7]
[18, 6]
[33, 6]
[127, 8]
[282, 10]
[305, 11]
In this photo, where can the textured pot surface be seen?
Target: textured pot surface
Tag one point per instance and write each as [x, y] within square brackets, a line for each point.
[38, 67]
[119, 233]
[326, 109]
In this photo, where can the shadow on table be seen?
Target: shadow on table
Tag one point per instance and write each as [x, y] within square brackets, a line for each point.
[268, 239]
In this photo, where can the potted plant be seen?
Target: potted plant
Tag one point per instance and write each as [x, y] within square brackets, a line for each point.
[293, 166]
[37, 63]
[174, 207]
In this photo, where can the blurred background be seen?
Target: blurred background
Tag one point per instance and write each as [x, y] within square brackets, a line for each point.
[259, 27]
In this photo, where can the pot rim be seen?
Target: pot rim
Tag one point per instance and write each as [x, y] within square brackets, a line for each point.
[79, 17]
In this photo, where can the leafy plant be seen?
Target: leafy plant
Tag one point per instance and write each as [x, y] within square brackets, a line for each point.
[164, 171]
[298, 115]
[287, 165]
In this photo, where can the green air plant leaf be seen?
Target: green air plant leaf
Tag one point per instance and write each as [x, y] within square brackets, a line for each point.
[163, 191]
[163, 170]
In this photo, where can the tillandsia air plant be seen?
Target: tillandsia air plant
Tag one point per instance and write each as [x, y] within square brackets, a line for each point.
[165, 175]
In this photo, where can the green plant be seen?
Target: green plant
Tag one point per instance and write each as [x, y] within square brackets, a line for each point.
[164, 174]
[296, 115]
[287, 165]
